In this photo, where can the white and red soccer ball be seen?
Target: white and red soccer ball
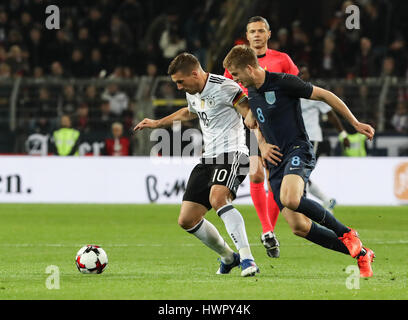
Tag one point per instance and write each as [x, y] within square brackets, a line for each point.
[91, 259]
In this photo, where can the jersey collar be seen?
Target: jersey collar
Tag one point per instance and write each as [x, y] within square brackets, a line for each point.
[202, 93]
[263, 55]
[263, 88]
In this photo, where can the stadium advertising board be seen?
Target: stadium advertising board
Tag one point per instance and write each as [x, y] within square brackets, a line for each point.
[352, 181]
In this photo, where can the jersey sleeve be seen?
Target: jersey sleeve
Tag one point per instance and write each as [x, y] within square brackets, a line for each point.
[295, 87]
[239, 97]
[233, 92]
[289, 66]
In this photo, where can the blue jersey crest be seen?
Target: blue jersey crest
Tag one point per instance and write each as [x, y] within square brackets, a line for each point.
[270, 97]
[276, 106]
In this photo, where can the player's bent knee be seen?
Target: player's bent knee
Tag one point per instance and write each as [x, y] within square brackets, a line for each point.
[300, 232]
[219, 196]
[186, 223]
[257, 177]
[217, 202]
[301, 228]
[183, 223]
[191, 214]
[256, 171]
[290, 201]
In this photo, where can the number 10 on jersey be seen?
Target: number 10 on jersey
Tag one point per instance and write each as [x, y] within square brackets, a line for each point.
[219, 175]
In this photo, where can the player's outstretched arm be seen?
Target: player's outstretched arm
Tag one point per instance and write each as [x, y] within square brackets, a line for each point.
[338, 105]
[180, 115]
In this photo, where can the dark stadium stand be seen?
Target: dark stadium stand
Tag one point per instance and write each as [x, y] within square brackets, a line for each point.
[68, 71]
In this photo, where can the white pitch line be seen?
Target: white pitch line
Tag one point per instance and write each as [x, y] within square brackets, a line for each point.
[23, 245]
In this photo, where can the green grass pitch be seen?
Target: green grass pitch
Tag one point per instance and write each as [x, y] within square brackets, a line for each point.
[151, 257]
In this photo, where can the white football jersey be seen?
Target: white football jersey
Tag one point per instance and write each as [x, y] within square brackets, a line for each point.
[311, 110]
[220, 122]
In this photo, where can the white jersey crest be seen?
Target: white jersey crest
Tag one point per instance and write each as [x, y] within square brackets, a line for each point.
[220, 122]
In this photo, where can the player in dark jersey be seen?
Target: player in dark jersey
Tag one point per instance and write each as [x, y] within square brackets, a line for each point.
[258, 33]
[275, 105]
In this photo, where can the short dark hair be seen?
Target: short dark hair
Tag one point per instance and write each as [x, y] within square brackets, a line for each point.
[184, 62]
[240, 56]
[259, 19]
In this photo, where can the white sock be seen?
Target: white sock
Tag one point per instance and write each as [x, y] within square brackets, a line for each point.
[315, 191]
[209, 235]
[235, 225]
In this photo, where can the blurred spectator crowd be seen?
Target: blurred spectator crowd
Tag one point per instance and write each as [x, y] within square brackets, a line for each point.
[317, 36]
[330, 49]
[129, 37]
[123, 39]
[110, 39]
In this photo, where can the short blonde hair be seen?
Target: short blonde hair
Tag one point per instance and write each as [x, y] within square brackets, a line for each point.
[240, 56]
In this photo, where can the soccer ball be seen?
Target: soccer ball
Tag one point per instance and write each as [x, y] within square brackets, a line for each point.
[91, 259]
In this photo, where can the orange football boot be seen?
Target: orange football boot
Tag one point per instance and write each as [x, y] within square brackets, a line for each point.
[352, 242]
[364, 263]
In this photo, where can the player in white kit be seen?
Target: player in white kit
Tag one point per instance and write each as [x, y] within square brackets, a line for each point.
[218, 102]
[311, 110]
